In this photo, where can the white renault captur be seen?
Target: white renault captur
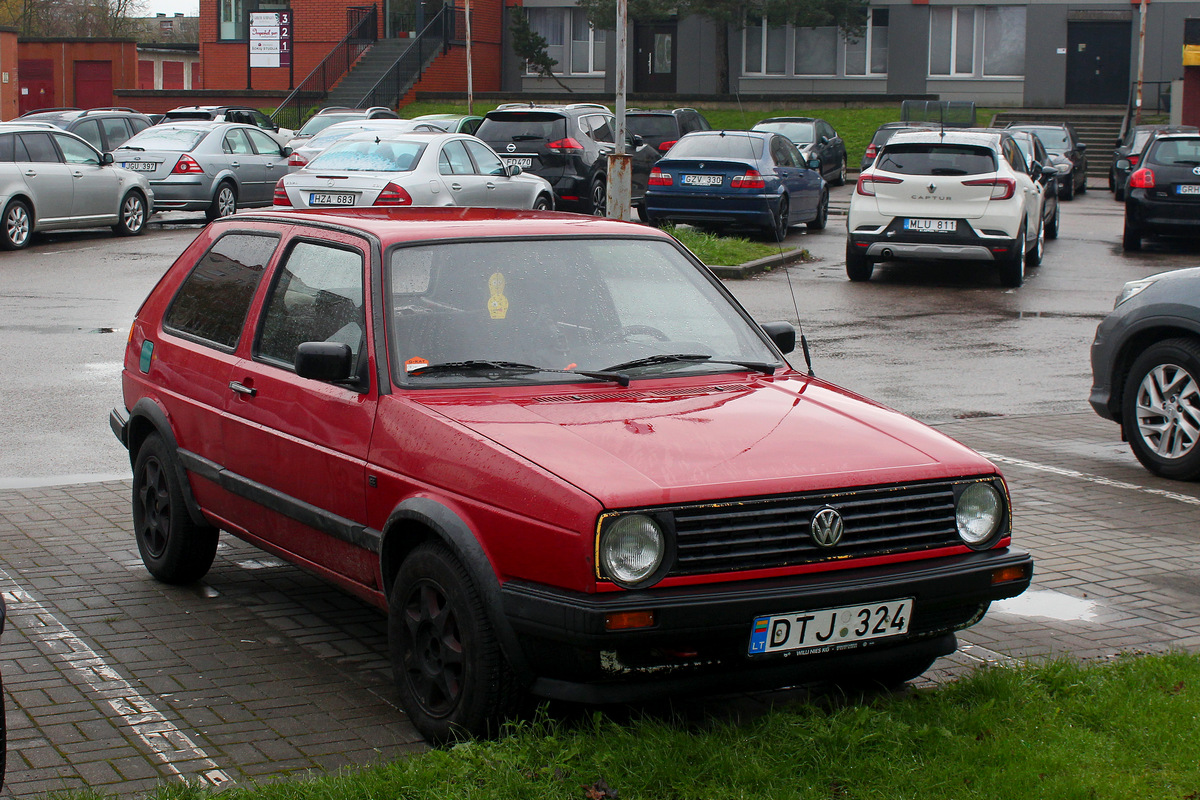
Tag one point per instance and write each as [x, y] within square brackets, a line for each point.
[952, 194]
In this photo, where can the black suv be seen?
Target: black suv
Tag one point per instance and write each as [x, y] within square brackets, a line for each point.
[1066, 154]
[242, 114]
[568, 146]
[662, 128]
[106, 129]
[1130, 147]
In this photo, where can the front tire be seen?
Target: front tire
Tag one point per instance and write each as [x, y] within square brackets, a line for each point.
[452, 677]
[224, 202]
[1052, 226]
[1161, 409]
[1068, 191]
[543, 203]
[840, 178]
[1012, 268]
[18, 225]
[133, 216]
[173, 547]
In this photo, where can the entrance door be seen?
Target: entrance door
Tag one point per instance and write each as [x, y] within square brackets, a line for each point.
[654, 61]
[1098, 63]
[36, 78]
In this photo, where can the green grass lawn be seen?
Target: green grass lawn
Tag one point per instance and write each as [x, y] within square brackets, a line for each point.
[1124, 730]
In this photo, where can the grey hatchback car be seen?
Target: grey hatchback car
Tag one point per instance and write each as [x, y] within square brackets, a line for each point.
[204, 166]
[51, 180]
[1146, 371]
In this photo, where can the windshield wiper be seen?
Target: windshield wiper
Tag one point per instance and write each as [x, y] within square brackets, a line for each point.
[480, 365]
[131, 147]
[677, 358]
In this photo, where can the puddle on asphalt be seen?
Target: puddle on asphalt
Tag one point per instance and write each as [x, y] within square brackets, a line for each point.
[1049, 605]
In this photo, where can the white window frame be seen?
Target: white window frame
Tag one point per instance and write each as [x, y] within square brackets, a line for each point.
[868, 40]
[789, 44]
[978, 44]
[569, 43]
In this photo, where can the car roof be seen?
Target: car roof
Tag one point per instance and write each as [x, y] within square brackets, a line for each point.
[402, 136]
[787, 119]
[425, 223]
[973, 136]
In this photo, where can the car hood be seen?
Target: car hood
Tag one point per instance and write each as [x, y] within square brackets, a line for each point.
[679, 443]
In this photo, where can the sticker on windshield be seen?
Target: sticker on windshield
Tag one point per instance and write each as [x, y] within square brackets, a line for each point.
[415, 363]
[497, 303]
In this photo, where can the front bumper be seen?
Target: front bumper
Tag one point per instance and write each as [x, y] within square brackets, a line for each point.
[963, 244]
[700, 634]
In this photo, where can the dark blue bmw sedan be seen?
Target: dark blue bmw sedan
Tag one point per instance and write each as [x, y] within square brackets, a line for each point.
[715, 179]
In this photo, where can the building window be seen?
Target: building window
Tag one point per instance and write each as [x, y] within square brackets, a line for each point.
[816, 51]
[571, 40]
[233, 16]
[986, 41]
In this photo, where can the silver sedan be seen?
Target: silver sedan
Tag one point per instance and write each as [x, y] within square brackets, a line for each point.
[215, 167]
[412, 169]
[51, 179]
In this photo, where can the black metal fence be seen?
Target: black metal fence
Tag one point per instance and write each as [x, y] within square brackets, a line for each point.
[363, 26]
[434, 39]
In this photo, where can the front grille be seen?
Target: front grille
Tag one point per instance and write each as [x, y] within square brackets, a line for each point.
[775, 532]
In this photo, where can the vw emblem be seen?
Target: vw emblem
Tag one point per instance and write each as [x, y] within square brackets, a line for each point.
[932, 188]
[1196, 170]
[827, 527]
[512, 148]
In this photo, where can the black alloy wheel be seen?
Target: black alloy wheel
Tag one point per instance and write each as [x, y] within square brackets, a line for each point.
[174, 548]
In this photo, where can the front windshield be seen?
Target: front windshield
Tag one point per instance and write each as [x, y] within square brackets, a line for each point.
[369, 155]
[559, 304]
[798, 132]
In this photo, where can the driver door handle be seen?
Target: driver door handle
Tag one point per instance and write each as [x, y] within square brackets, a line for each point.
[241, 388]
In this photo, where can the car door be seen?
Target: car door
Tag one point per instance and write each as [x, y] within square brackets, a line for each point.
[501, 190]
[48, 178]
[464, 185]
[272, 161]
[248, 166]
[1029, 188]
[299, 446]
[803, 185]
[96, 189]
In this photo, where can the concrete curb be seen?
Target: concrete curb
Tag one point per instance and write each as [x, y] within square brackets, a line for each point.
[760, 265]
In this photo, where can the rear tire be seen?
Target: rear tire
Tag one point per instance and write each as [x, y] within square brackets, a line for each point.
[224, 202]
[598, 198]
[858, 266]
[818, 224]
[1012, 267]
[18, 226]
[173, 547]
[778, 231]
[1033, 258]
[1131, 237]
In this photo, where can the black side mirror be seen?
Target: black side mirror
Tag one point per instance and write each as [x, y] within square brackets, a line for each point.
[324, 361]
[1049, 172]
[106, 158]
[782, 334]
[286, 151]
[1082, 147]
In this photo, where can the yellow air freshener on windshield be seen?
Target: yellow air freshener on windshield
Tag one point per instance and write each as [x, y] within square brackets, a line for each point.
[497, 303]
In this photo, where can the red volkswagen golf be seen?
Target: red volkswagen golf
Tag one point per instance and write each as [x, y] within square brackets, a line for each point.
[556, 451]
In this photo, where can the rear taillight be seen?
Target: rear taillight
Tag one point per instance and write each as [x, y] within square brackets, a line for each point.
[296, 160]
[867, 181]
[281, 195]
[753, 179]
[660, 178]
[567, 145]
[1133, 160]
[1142, 179]
[665, 146]
[872, 150]
[393, 195]
[1002, 188]
[186, 165]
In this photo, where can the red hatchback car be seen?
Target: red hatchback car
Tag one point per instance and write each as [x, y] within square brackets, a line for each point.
[559, 454]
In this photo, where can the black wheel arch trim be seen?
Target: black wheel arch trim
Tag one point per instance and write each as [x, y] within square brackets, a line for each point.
[148, 417]
[450, 528]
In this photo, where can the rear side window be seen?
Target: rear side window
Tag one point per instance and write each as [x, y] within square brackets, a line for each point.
[6, 148]
[523, 127]
[936, 159]
[39, 148]
[651, 125]
[213, 300]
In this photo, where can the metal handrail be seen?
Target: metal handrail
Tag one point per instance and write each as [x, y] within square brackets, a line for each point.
[405, 71]
[298, 106]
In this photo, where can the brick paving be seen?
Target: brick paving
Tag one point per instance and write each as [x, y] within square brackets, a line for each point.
[116, 682]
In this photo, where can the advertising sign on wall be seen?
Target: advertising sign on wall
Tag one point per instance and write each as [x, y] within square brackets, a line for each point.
[271, 38]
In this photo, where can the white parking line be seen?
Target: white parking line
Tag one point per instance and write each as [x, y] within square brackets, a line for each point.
[1097, 479]
[133, 710]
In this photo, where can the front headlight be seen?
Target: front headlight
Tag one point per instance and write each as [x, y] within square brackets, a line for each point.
[979, 513]
[632, 549]
[1133, 289]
